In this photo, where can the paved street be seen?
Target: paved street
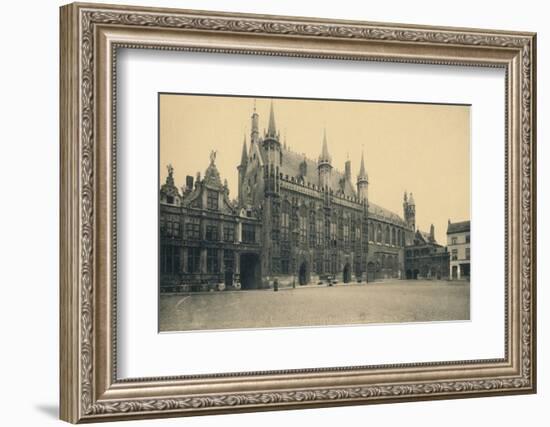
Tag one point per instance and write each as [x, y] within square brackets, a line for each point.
[382, 302]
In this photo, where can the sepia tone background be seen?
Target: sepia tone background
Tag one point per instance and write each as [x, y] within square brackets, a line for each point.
[420, 148]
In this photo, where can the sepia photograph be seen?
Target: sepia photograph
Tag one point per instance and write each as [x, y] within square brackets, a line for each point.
[286, 212]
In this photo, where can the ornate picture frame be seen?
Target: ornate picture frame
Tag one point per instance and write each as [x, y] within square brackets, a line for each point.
[90, 37]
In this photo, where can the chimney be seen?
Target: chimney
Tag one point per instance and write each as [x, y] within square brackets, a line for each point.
[189, 182]
[432, 232]
[348, 170]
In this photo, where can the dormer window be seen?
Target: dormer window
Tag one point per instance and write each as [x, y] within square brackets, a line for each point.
[170, 199]
[212, 200]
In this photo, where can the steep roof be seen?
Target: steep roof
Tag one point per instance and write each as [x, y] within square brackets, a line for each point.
[458, 227]
[291, 167]
[378, 212]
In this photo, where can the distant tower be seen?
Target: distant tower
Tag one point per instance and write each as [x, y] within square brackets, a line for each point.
[242, 172]
[363, 182]
[409, 211]
[324, 165]
[432, 232]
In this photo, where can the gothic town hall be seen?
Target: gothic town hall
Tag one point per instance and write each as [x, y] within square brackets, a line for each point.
[296, 220]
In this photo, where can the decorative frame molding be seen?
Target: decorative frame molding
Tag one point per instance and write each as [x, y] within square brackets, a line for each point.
[90, 36]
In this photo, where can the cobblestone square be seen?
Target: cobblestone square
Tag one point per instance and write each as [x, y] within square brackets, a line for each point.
[344, 304]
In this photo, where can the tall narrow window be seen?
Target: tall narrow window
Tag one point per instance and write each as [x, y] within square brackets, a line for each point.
[212, 200]
[312, 236]
[285, 221]
[320, 234]
[192, 229]
[249, 233]
[229, 233]
[193, 260]
[212, 265]
[212, 232]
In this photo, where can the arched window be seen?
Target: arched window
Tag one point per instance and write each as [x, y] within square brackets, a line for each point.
[398, 237]
[393, 242]
[312, 237]
[379, 233]
[371, 231]
[302, 220]
[345, 229]
[387, 235]
[285, 220]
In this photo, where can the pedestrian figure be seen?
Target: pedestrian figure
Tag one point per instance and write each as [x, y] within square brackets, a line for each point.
[275, 285]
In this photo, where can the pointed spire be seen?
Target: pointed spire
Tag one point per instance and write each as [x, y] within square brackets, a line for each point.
[405, 196]
[325, 156]
[271, 129]
[362, 171]
[411, 199]
[254, 130]
[244, 155]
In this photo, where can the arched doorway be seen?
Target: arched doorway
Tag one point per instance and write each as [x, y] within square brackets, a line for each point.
[347, 273]
[303, 274]
[415, 274]
[408, 274]
[250, 271]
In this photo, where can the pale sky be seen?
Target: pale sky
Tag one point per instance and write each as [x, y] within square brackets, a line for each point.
[420, 148]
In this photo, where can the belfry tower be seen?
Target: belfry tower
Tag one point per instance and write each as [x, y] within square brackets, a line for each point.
[409, 211]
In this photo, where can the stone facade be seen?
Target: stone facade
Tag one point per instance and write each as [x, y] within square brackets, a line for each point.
[205, 238]
[310, 222]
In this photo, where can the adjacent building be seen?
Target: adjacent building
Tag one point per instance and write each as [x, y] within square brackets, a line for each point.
[425, 258]
[458, 245]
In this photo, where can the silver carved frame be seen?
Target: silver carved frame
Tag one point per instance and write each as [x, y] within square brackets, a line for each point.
[90, 36]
